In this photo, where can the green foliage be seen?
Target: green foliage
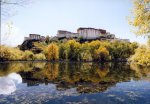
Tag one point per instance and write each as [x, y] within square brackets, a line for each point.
[122, 50]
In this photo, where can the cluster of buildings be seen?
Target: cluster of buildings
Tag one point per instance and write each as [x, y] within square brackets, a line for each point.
[84, 33]
[35, 37]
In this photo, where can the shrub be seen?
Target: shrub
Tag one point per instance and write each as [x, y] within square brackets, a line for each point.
[39, 56]
[28, 55]
[8, 53]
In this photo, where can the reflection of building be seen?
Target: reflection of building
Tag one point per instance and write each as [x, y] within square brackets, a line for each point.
[34, 36]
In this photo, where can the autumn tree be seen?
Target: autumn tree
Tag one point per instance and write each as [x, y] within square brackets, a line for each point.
[63, 55]
[53, 52]
[141, 57]
[94, 45]
[85, 52]
[73, 50]
[102, 53]
[122, 50]
[141, 17]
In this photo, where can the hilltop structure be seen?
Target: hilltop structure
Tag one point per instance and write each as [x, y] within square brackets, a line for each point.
[82, 35]
[88, 34]
[66, 34]
[34, 37]
[28, 43]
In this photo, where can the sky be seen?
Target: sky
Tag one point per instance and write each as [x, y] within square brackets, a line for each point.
[45, 17]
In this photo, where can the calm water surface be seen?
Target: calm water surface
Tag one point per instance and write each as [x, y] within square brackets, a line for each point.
[73, 83]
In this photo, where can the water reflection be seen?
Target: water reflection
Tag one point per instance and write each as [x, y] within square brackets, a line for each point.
[73, 83]
[86, 77]
[8, 83]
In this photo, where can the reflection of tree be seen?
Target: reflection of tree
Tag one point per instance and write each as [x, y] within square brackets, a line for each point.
[87, 77]
[140, 72]
[102, 72]
[7, 68]
[52, 71]
[120, 72]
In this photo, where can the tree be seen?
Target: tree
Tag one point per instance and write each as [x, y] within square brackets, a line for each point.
[141, 17]
[47, 40]
[141, 57]
[85, 52]
[102, 54]
[94, 45]
[73, 50]
[63, 52]
[53, 52]
[122, 50]
[141, 21]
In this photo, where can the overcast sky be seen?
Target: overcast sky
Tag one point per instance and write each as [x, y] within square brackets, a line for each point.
[45, 17]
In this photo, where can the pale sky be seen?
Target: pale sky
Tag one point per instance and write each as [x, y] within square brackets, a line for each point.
[45, 17]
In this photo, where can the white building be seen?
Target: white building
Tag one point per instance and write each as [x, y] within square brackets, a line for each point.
[66, 34]
[90, 33]
[34, 36]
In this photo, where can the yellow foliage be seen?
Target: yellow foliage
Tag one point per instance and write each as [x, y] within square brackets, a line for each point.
[141, 17]
[101, 54]
[73, 50]
[52, 52]
[9, 53]
[39, 56]
[28, 55]
[142, 56]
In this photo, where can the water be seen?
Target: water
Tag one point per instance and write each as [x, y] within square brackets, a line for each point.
[73, 83]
